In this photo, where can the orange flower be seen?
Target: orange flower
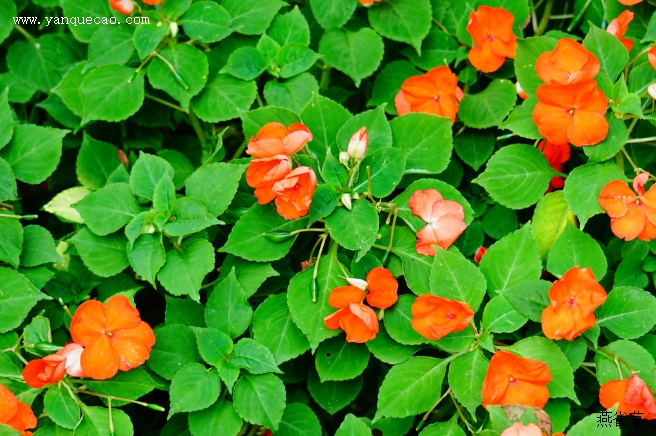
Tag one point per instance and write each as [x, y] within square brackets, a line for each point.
[571, 113]
[274, 139]
[114, 337]
[632, 395]
[152, 2]
[632, 216]
[619, 26]
[41, 372]
[435, 317]
[511, 379]
[629, 2]
[294, 193]
[573, 300]
[368, 3]
[445, 220]
[125, 7]
[479, 254]
[382, 287]
[651, 55]
[519, 429]
[557, 155]
[436, 92]
[568, 64]
[14, 413]
[494, 40]
[263, 173]
[357, 320]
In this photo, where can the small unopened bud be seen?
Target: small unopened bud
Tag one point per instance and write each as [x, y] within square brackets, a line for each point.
[277, 236]
[358, 283]
[652, 90]
[346, 201]
[47, 347]
[344, 158]
[358, 144]
[520, 91]
[173, 27]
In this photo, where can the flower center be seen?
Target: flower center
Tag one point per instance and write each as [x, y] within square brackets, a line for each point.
[570, 111]
[436, 99]
[449, 315]
[110, 334]
[490, 37]
[571, 302]
[512, 380]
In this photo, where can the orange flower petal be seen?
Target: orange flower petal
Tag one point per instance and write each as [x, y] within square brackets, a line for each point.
[262, 174]
[99, 359]
[89, 322]
[552, 122]
[435, 317]
[272, 131]
[402, 105]
[630, 225]
[121, 314]
[332, 321]
[382, 287]
[587, 128]
[8, 404]
[23, 419]
[651, 55]
[360, 325]
[483, 58]
[568, 64]
[298, 136]
[615, 198]
[344, 296]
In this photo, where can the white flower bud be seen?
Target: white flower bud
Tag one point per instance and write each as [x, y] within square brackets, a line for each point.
[358, 144]
[344, 158]
[173, 27]
[358, 283]
[346, 201]
[652, 90]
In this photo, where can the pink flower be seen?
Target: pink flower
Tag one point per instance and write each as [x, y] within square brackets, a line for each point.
[72, 353]
[445, 218]
[519, 429]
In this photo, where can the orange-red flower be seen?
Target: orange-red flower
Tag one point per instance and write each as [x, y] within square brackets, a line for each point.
[14, 413]
[356, 319]
[445, 218]
[263, 173]
[435, 317]
[568, 64]
[40, 372]
[511, 379]
[519, 429]
[632, 396]
[629, 2]
[619, 26]
[480, 251]
[574, 299]
[368, 3]
[152, 2]
[381, 287]
[494, 40]
[651, 55]
[114, 337]
[294, 193]
[557, 155]
[125, 7]
[632, 216]
[274, 139]
[571, 113]
[436, 92]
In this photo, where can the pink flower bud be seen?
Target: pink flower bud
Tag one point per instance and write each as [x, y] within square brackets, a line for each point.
[358, 144]
[72, 353]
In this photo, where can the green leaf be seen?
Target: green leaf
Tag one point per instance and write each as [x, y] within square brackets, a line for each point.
[332, 14]
[334, 172]
[338, 360]
[108, 209]
[214, 185]
[488, 108]
[333, 396]
[500, 316]
[353, 426]
[227, 309]
[529, 298]
[38, 247]
[498, 221]
[17, 297]
[251, 17]
[61, 204]
[175, 347]
[245, 63]
[191, 66]
[629, 353]
[583, 185]
[164, 195]
[628, 312]
[253, 357]
[416, 267]
[96, 160]
[194, 388]
[356, 54]
[187, 312]
[62, 408]
[146, 174]
[354, 229]
[11, 241]
[411, 387]
[105, 256]
[398, 322]
[6, 118]
[274, 328]
[466, 375]
[437, 48]
[7, 14]
[147, 256]
[174, 8]
[520, 121]
[455, 278]
[95, 422]
[293, 94]
[387, 349]
[147, 37]
[575, 248]
[528, 51]
[214, 346]
[299, 420]
[544, 350]
[549, 220]
[111, 45]
[207, 22]
[608, 49]
[110, 93]
[92, 9]
[184, 270]
[389, 81]
[250, 275]
[378, 130]
[220, 418]
[590, 425]
[34, 152]
[511, 261]
[260, 399]
[516, 176]
[324, 118]
[8, 187]
[386, 170]
[290, 27]
[255, 119]
[448, 428]
[224, 98]
[69, 88]
[294, 58]
[309, 316]
[474, 147]
[402, 20]
[247, 237]
[132, 384]
[617, 136]
[188, 216]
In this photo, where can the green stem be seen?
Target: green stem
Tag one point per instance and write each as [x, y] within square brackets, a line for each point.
[25, 33]
[174, 71]
[19, 217]
[240, 150]
[195, 123]
[546, 15]
[325, 78]
[316, 268]
[578, 16]
[307, 230]
[165, 103]
[636, 140]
